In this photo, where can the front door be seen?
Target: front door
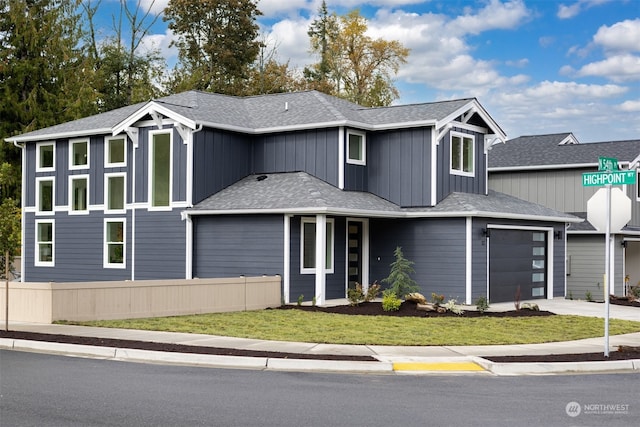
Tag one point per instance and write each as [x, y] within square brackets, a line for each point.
[354, 253]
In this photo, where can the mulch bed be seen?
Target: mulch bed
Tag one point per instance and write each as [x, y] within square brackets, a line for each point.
[623, 301]
[367, 309]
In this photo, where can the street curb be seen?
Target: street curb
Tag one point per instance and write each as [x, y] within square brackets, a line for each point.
[310, 365]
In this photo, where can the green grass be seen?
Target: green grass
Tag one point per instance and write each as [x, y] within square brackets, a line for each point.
[298, 325]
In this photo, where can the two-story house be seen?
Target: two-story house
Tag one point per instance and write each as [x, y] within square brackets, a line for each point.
[547, 169]
[303, 185]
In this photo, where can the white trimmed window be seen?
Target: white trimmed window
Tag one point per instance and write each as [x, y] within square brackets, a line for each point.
[45, 156]
[78, 194]
[45, 195]
[308, 246]
[115, 151]
[115, 195]
[44, 251]
[356, 148]
[79, 154]
[638, 184]
[114, 243]
[160, 173]
[462, 154]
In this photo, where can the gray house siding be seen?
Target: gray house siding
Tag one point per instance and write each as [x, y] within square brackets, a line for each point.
[219, 159]
[399, 165]
[231, 246]
[437, 246]
[479, 262]
[312, 151]
[449, 183]
[160, 245]
[76, 259]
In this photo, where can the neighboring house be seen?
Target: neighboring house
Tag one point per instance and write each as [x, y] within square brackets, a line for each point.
[303, 185]
[547, 169]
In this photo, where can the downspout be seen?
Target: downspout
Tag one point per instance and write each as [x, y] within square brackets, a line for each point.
[187, 217]
[23, 200]
[133, 211]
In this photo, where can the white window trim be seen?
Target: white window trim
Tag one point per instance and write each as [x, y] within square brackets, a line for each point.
[106, 193]
[71, 144]
[71, 179]
[150, 172]
[638, 185]
[53, 195]
[105, 248]
[43, 144]
[36, 255]
[363, 161]
[473, 154]
[107, 140]
[312, 270]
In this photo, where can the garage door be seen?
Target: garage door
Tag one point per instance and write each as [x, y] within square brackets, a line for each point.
[517, 258]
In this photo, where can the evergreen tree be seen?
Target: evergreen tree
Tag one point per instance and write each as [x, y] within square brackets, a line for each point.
[400, 276]
[217, 43]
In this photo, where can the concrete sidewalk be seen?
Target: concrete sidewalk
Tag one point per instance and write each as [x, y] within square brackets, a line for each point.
[392, 359]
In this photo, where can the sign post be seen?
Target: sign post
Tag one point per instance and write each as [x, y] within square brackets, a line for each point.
[608, 176]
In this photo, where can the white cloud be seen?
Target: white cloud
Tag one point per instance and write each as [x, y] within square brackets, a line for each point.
[495, 15]
[162, 42]
[518, 63]
[570, 11]
[157, 6]
[631, 106]
[620, 68]
[621, 36]
[292, 42]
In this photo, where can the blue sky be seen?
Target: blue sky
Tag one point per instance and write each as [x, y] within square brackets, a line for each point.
[537, 66]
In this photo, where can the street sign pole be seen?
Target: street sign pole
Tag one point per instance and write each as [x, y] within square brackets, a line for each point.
[607, 271]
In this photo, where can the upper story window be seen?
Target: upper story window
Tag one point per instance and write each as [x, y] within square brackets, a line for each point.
[114, 194]
[45, 195]
[115, 154]
[45, 156]
[356, 148]
[79, 154]
[462, 154]
[79, 194]
[160, 173]
[308, 246]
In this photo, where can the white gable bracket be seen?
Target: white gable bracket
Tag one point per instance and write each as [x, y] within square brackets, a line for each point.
[443, 132]
[183, 131]
[133, 135]
[467, 116]
[490, 141]
[157, 118]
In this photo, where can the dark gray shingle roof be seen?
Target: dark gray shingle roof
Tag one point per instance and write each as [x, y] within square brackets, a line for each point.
[301, 192]
[544, 150]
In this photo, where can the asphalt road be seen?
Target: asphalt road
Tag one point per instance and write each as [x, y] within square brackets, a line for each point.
[47, 390]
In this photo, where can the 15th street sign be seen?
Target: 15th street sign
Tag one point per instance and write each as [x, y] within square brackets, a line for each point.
[590, 179]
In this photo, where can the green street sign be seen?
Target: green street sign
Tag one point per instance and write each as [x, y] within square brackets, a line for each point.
[608, 164]
[591, 179]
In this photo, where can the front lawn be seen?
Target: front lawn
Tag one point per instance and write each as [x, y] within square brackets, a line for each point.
[298, 325]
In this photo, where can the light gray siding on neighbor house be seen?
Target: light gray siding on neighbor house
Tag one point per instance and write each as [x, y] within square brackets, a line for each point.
[220, 158]
[449, 183]
[76, 259]
[437, 246]
[312, 151]
[399, 165]
[230, 246]
[585, 269]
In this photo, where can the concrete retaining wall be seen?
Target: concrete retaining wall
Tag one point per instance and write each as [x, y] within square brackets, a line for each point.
[48, 302]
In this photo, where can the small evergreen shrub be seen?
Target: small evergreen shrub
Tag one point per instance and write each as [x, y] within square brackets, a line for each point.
[400, 276]
[390, 302]
[482, 304]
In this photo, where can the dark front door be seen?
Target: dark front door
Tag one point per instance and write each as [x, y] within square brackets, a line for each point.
[354, 253]
[517, 259]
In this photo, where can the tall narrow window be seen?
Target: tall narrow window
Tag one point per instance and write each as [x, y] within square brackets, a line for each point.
[115, 152]
[356, 149]
[308, 246]
[115, 195]
[45, 156]
[79, 154]
[44, 243]
[45, 195]
[79, 193]
[462, 154]
[160, 170]
[114, 243]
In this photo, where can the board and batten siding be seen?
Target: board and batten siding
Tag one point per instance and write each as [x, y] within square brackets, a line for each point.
[436, 246]
[231, 246]
[312, 151]
[399, 166]
[220, 158]
[450, 183]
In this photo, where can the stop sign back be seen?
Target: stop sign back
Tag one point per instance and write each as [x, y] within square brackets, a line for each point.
[620, 210]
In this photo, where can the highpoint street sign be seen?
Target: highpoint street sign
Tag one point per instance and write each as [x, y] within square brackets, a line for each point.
[590, 179]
